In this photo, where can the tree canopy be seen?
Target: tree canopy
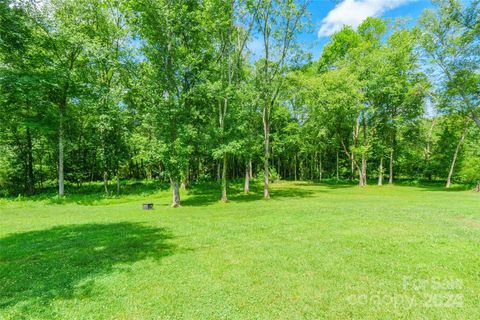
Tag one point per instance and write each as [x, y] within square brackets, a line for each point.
[172, 90]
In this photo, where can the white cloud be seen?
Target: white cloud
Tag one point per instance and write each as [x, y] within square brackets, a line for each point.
[353, 12]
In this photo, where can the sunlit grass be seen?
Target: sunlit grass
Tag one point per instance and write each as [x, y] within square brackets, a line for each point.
[311, 252]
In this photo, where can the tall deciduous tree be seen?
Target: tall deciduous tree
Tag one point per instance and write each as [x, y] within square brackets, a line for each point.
[231, 26]
[176, 47]
[278, 23]
[451, 41]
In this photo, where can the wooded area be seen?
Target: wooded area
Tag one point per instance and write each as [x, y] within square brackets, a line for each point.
[173, 90]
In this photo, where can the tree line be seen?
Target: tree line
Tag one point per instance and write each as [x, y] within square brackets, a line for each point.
[212, 90]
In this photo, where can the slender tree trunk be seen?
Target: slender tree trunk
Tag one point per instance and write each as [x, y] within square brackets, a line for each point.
[352, 165]
[478, 186]
[338, 176]
[364, 157]
[105, 181]
[175, 193]
[266, 173]
[278, 167]
[186, 180]
[272, 156]
[222, 111]
[290, 174]
[475, 118]
[118, 184]
[312, 167]
[356, 130]
[246, 187]
[41, 171]
[390, 177]
[428, 148]
[30, 175]
[455, 155]
[364, 170]
[380, 172]
[392, 156]
[224, 179]
[61, 187]
[250, 168]
[295, 167]
[301, 170]
[199, 169]
[320, 168]
[219, 170]
[361, 182]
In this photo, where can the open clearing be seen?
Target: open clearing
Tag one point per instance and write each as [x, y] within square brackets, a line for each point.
[311, 252]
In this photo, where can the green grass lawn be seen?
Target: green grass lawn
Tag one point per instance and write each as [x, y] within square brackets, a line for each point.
[311, 252]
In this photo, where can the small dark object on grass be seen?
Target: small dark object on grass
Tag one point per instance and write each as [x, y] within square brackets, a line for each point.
[148, 206]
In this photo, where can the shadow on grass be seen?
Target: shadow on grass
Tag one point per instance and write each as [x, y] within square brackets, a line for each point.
[434, 186]
[328, 183]
[420, 184]
[39, 266]
[208, 194]
[91, 193]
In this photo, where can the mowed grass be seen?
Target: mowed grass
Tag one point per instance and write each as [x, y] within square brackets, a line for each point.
[311, 252]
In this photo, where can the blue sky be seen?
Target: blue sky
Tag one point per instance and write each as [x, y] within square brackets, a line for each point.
[329, 15]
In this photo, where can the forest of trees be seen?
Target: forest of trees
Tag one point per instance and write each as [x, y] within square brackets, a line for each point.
[108, 90]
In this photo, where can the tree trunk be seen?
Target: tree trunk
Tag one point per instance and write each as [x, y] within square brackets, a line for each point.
[478, 186]
[219, 170]
[455, 155]
[350, 155]
[186, 180]
[312, 167]
[361, 182]
[41, 171]
[118, 184]
[392, 156]
[364, 157]
[428, 148]
[301, 170]
[266, 173]
[250, 168]
[355, 132]
[278, 167]
[246, 187]
[364, 171]
[338, 176]
[475, 118]
[320, 168]
[187, 175]
[272, 156]
[30, 175]
[61, 187]
[352, 167]
[390, 177]
[295, 167]
[380, 172]
[175, 193]
[105, 181]
[224, 179]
